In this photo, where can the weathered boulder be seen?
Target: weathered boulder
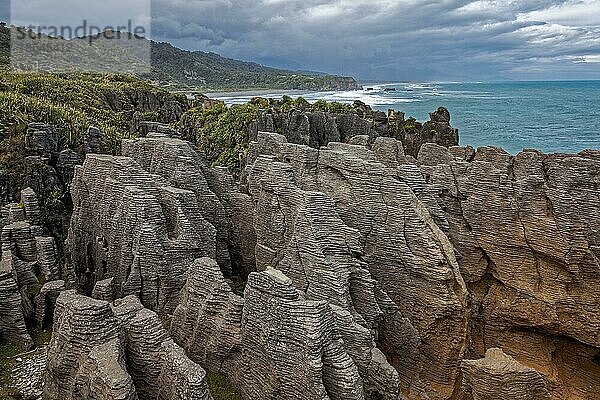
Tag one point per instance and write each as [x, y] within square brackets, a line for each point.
[41, 139]
[92, 141]
[104, 290]
[498, 376]
[65, 165]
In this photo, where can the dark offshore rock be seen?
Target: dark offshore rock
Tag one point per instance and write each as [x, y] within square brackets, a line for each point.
[526, 230]
[132, 226]
[437, 130]
[407, 254]
[121, 352]
[41, 139]
[318, 128]
[301, 234]
[498, 376]
[176, 161]
[273, 344]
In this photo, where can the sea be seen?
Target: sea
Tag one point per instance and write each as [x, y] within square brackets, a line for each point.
[555, 117]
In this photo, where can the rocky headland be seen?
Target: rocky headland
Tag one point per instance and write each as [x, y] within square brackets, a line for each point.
[354, 255]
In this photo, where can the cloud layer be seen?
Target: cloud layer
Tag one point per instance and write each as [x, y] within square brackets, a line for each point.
[396, 39]
[393, 39]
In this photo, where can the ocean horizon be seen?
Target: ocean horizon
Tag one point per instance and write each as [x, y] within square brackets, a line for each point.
[552, 116]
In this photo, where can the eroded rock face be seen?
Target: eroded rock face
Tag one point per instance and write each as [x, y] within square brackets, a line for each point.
[273, 343]
[12, 320]
[526, 231]
[132, 226]
[176, 161]
[116, 352]
[318, 128]
[27, 260]
[301, 234]
[409, 258]
[42, 139]
[380, 275]
[498, 376]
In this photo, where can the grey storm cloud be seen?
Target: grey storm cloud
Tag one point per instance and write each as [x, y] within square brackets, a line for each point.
[389, 39]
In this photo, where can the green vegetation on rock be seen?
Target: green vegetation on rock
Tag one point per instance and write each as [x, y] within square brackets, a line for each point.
[220, 387]
[222, 132]
[72, 103]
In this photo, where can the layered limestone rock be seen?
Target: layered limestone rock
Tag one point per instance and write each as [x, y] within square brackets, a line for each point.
[12, 320]
[27, 260]
[104, 290]
[116, 352]
[273, 343]
[319, 128]
[380, 274]
[42, 139]
[240, 219]
[301, 234]
[130, 225]
[45, 302]
[408, 255]
[207, 322]
[526, 231]
[182, 167]
[81, 324]
[498, 376]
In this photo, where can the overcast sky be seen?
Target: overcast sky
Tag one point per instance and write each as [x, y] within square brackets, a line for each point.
[395, 39]
[456, 40]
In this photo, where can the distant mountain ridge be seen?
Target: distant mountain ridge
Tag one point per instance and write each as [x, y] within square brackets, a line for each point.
[179, 69]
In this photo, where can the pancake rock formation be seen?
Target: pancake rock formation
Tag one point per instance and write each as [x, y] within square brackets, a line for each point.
[121, 351]
[135, 227]
[28, 259]
[361, 270]
[319, 128]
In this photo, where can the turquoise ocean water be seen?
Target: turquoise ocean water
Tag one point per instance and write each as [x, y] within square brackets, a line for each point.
[550, 116]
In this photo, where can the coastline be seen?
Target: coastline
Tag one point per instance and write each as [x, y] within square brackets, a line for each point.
[261, 92]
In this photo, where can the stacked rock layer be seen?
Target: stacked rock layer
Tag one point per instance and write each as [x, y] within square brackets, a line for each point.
[458, 274]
